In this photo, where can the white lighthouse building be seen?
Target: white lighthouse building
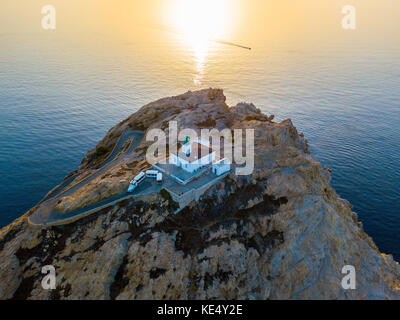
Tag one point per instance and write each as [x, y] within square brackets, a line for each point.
[193, 155]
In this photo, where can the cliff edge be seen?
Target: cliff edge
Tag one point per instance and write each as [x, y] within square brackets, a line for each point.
[280, 233]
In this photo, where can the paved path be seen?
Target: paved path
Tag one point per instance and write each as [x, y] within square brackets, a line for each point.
[57, 218]
[45, 214]
[126, 135]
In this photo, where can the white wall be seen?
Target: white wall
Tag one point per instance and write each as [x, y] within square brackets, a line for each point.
[173, 159]
[221, 167]
[195, 165]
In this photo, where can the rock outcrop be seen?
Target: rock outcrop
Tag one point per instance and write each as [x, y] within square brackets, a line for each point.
[280, 233]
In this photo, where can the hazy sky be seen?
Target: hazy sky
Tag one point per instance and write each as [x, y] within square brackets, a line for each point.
[245, 21]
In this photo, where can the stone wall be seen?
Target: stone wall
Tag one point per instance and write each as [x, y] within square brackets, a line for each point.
[194, 194]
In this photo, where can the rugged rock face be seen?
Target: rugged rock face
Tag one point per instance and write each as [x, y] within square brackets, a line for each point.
[280, 233]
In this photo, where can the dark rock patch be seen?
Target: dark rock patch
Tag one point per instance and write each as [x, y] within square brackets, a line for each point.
[97, 245]
[194, 224]
[208, 123]
[120, 280]
[24, 289]
[156, 272]
[11, 234]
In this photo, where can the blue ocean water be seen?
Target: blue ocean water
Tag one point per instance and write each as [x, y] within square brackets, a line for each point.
[59, 97]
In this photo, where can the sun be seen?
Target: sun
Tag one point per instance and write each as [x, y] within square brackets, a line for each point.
[200, 21]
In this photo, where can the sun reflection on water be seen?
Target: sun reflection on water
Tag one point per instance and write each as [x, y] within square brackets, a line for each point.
[200, 53]
[199, 22]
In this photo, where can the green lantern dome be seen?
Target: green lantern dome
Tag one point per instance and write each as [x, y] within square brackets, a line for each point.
[187, 139]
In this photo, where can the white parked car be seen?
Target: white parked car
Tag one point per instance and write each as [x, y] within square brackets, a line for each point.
[136, 181]
[152, 173]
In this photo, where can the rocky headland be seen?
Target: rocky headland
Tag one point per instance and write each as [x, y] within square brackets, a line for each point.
[280, 233]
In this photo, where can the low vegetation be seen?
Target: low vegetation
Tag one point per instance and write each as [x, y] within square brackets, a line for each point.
[101, 151]
[172, 205]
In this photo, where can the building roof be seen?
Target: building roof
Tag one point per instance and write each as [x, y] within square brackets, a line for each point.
[198, 151]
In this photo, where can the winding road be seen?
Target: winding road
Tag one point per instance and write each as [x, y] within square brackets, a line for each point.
[45, 213]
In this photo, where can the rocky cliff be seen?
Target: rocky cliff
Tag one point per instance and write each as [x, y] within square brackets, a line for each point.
[280, 233]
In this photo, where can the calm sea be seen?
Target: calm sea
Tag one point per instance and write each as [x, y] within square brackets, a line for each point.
[59, 95]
